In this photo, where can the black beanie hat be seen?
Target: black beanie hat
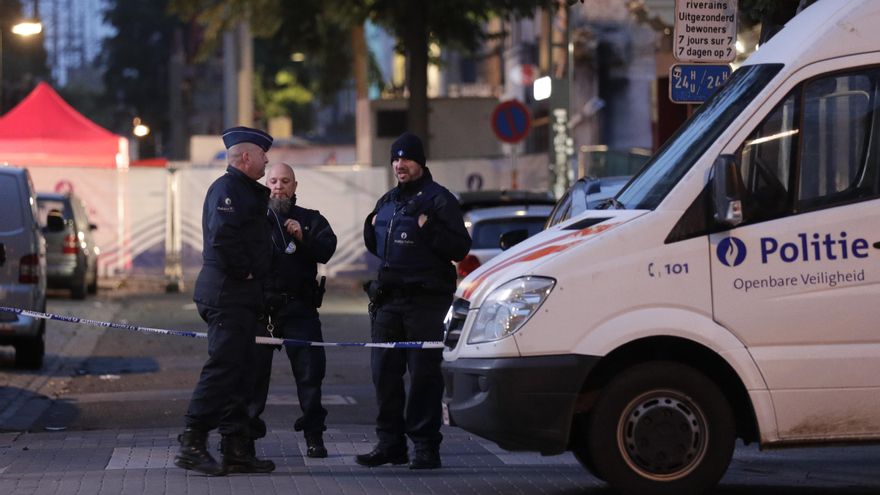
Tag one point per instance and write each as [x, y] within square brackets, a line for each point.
[408, 145]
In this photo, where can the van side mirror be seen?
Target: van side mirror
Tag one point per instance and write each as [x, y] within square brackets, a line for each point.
[512, 237]
[54, 223]
[2, 254]
[727, 191]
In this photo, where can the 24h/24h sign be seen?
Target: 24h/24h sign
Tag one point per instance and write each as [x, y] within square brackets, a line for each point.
[694, 83]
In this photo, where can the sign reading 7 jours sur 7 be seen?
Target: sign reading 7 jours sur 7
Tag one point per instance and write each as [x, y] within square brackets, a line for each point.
[705, 31]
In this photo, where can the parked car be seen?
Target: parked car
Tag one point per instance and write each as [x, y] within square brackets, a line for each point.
[585, 194]
[495, 229]
[22, 268]
[471, 200]
[71, 252]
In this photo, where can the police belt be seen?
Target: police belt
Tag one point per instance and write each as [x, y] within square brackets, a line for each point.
[407, 290]
[289, 297]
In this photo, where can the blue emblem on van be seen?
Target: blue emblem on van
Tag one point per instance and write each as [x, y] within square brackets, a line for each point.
[731, 251]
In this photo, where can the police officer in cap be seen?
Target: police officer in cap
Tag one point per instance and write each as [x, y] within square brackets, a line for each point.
[417, 231]
[229, 297]
[301, 238]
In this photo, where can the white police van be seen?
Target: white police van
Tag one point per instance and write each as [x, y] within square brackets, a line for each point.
[731, 291]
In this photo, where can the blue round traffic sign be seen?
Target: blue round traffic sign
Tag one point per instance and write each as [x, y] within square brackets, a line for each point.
[511, 121]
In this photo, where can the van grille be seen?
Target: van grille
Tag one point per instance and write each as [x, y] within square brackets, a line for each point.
[456, 323]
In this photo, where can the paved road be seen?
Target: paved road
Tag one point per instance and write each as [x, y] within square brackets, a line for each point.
[103, 415]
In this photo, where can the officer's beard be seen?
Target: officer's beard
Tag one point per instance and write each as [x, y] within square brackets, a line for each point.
[282, 205]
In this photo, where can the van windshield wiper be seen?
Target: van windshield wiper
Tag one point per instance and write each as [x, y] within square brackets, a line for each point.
[611, 204]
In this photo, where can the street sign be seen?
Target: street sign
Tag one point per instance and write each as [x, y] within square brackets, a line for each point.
[694, 83]
[511, 121]
[704, 31]
[474, 182]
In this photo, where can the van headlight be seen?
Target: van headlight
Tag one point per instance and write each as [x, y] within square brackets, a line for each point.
[508, 307]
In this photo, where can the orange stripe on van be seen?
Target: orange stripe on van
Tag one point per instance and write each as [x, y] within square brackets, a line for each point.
[535, 252]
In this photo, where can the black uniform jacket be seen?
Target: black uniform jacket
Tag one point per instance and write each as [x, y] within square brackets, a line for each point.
[413, 256]
[236, 248]
[295, 273]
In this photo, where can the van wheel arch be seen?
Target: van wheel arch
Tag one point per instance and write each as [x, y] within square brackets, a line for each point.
[678, 350]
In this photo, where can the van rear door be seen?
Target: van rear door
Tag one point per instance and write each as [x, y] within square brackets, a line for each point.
[799, 281]
[15, 242]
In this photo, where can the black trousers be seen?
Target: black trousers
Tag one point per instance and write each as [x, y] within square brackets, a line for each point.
[226, 383]
[416, 414]
[296, 320]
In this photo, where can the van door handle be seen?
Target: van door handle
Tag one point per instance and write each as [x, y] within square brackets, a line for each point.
[2, 254]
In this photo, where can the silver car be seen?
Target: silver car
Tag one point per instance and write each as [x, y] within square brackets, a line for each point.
[22, 268]
[489, 226]
[71, 252]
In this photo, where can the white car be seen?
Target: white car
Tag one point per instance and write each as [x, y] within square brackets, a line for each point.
[487, 226]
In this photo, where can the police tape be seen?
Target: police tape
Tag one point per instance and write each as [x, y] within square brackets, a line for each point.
[203, 335]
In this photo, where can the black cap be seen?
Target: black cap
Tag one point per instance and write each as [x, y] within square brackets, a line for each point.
[408, 145]
[236, 135]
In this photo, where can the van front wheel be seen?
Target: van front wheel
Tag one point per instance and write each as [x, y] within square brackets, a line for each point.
[661, 428]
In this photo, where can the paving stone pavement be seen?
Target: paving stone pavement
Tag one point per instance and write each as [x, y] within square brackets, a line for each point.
[141, 462]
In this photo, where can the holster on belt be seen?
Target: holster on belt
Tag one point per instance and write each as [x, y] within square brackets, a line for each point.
[319, 292]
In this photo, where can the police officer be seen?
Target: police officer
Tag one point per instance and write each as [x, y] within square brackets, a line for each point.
[301, 239]
[417, 230]
[229, 296]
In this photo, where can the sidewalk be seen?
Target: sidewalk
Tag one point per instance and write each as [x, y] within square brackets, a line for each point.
[136, 462]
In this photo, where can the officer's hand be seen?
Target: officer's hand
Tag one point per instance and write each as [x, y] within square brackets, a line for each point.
[422, 219]
[294, 228]
[373, 221]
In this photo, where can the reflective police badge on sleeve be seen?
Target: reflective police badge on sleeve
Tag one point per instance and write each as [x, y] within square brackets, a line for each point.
[226, 206]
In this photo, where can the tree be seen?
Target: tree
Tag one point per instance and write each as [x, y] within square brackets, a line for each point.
[414, 22]
[451, 23]
[135, 59]
[23, 59]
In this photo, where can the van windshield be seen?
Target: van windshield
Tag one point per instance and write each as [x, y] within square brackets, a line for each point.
[688, 144]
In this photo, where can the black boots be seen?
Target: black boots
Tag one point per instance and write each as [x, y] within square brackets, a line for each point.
[425, 459]
[315, 444]
[194, 455]
[381, 455]
[239, 456]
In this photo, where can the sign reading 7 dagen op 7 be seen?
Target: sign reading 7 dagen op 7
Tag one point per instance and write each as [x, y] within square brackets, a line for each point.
[705, 31]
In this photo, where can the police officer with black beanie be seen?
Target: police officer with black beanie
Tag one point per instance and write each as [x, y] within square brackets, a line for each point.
[417, 231]
[229, 296]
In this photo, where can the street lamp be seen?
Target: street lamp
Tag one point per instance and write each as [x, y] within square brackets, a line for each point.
[28, 28]
[140, 130]
[24, 29]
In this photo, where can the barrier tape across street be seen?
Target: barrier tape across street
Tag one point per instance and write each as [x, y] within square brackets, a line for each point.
[202, 335]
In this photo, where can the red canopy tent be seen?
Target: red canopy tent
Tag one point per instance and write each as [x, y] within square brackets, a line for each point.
[45, 130]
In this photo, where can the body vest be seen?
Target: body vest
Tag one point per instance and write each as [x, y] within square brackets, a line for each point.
[398, 240]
